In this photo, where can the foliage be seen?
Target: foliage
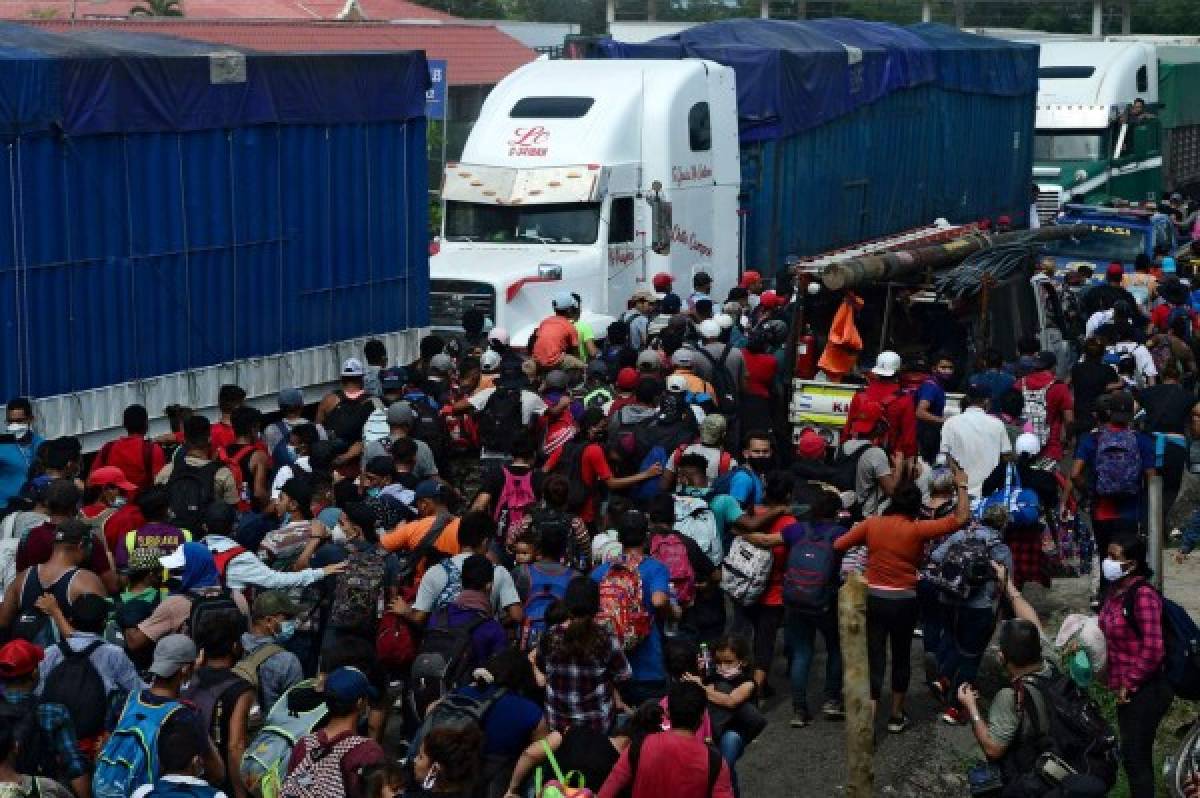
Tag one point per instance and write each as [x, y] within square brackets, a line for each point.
[157, 8]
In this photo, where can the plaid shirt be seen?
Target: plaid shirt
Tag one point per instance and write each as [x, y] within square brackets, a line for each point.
[580, 693]
[56, 722]
[1132, 657]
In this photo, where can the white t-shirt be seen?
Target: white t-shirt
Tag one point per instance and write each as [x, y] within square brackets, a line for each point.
[1143, 361]
[287, 472]
[976, 441]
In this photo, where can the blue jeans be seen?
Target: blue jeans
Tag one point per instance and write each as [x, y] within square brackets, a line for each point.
[966, 634]
[731, 748]
[800, 632]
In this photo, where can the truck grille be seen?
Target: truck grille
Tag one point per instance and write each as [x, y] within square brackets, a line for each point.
[1047, 205]
[449, 298]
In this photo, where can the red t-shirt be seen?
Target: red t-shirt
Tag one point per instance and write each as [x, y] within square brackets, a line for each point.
[555, 337]
[1160, 316]
[131, 454]
[773, 595]
[121, 523]
[40, 544]
[1058, 401]
[760, 373]
[669, 765]
[901, 414]
[222, 435]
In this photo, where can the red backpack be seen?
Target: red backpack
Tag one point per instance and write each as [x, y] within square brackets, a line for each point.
[622, 611]
[238, 463]
[670, 549]
[866, 408]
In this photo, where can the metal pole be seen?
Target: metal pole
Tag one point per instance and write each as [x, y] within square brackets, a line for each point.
[764, 9]
[1126, 17]
[651, 11]
[445, 116]
[1154, 527]
[1098, 19]
[610, 13]
[860, 719]
[926, 11]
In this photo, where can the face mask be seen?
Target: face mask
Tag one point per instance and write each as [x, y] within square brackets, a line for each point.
[17, 430]
[1080, 668]
[760, 463]
[119, 501]
[286, 630]
[688, 490]
[337, 534]
[1113, 571]
[754, 299]
[374, 493]
[729, 671]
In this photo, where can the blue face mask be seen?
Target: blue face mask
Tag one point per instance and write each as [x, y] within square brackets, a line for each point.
[374, 493]
[286, 630]
[1080, 668]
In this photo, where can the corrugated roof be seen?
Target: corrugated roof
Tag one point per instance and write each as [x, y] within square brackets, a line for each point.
[224, 9]
[476, 54]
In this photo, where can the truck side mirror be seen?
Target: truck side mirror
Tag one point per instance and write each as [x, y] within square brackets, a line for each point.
[660, 220]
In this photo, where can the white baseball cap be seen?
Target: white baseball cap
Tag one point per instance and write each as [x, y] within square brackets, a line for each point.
[886, 365]
[677, 384]
[710, 329]
[725, 320]
[490, 361]
[352, 367]
[499, 335]
[564, 301]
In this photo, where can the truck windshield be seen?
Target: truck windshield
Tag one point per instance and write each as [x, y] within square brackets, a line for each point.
[1068, 146]
[1105, 245]
[562, 223]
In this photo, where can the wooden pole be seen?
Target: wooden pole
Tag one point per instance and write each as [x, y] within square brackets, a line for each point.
[1154, 527]
[856, 688]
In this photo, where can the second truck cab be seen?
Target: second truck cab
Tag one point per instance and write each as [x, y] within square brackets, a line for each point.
[589, 177]
[1117, 236]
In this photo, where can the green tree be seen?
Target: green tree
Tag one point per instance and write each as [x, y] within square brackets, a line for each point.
[157, 8]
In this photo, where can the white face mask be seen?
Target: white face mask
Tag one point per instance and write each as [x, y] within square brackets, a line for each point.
[1113, 571]
[754, 299]
[337, 534]
[17, 430]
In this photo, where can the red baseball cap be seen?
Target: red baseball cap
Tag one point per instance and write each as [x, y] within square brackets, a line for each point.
[750, 278]
[662, 281]
[627, 379]
[1115, 270]
[771, 300]
[811, 445]
[110, 475]
[19, 658]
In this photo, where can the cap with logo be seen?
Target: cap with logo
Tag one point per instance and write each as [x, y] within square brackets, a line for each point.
[352, 367]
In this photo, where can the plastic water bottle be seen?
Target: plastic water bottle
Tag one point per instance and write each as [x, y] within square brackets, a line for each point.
[671, 627]
[705, 661]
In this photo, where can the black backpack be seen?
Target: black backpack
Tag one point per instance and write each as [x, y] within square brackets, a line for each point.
[842, 472]
[190, 491]
[430, 426]
[722, 380]
[443, 661]
[35, 750]
[965, 569]
[1057, 717]
[500, 419]
[348, 417]
[545, 518]
[76, 684]
[213, 607]
[570, 465]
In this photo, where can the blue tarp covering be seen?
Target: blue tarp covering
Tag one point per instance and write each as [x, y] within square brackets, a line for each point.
[96, 82]
[793, 76]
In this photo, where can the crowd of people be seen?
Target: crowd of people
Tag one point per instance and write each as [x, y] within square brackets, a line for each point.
[501, 572]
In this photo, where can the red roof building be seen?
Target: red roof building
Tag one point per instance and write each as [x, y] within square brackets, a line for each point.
[476, 55]
[389, 10]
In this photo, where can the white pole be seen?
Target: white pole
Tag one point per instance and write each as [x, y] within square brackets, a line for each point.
[1098, 19]
[926, 11]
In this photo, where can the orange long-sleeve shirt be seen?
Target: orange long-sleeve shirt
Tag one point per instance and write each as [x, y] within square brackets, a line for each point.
[894, 546]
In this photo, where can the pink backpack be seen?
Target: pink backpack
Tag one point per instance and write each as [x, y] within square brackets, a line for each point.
[669, 549]
[622, 612]
[515, 500]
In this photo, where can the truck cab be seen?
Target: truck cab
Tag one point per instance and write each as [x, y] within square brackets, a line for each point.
[1086, 148]
[1118, 235]
[589, 177]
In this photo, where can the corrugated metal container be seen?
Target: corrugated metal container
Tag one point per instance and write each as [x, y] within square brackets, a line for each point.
[167, 210]
[892, 165]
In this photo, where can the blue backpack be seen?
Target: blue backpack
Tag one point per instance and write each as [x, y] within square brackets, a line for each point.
[1023, 506]
[811, 578]
[130, 757]
[1118, 463]
[544, 589]
[648, 489]
[724, 483]
[1181, 638]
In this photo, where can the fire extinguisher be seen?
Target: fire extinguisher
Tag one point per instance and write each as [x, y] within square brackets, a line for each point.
[806, 356]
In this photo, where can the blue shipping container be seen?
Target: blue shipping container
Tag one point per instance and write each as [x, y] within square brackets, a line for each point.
[855, 130]
[168, 209]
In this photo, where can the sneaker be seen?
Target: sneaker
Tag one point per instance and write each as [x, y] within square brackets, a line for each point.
[833, 710]
[952, 716]
[898, 725]
[931, 671]
[940, 687]
[800, 718]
